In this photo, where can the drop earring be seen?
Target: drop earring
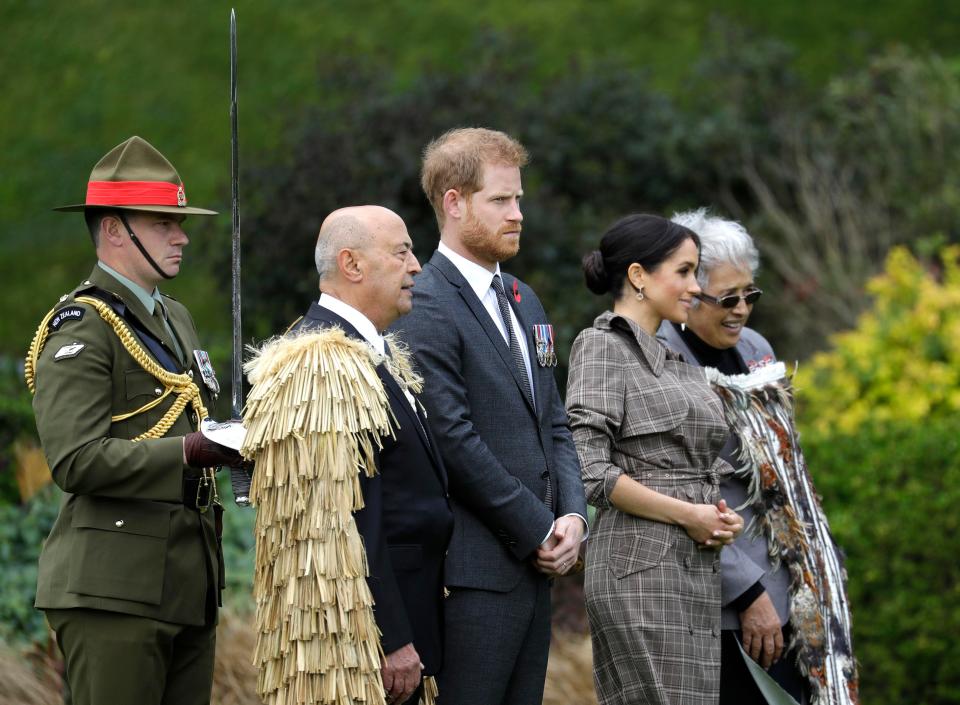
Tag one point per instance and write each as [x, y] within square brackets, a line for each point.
[640, 296]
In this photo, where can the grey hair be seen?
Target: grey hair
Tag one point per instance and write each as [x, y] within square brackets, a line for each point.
[721, 241]
[341, 232]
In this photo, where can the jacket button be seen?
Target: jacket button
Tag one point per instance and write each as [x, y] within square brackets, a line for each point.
[158, 391]
[190, 372]
[118, 523]
[686, 562]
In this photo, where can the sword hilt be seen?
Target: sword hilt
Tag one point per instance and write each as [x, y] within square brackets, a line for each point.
[240, 479]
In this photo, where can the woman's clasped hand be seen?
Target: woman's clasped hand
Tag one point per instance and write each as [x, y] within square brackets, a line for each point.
[712, 525]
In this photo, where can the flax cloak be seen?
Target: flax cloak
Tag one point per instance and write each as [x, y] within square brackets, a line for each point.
[314, 417]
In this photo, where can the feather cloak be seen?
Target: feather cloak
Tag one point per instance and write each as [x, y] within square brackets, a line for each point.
[759, 409]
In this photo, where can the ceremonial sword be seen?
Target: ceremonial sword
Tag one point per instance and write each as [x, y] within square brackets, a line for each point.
[239, 477]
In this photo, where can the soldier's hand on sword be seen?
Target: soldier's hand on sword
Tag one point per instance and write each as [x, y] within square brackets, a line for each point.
[200, 452]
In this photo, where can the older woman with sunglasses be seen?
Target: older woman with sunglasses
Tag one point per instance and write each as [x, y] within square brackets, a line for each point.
[754, 594]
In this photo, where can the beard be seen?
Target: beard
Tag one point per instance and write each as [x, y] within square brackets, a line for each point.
[487, 245]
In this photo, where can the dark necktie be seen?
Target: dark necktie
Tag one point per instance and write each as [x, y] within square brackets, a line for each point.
[512, 341]
[518, 361]
[160, 311]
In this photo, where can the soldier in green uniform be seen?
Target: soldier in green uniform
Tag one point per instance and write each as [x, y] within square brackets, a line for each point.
[131, 574]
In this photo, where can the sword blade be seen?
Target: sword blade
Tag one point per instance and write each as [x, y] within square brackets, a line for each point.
[236, 376]
[239, 478]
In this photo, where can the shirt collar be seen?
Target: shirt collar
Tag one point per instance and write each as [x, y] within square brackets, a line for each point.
[653, 351]
[145, 297]
[363, 324]
[479, 278]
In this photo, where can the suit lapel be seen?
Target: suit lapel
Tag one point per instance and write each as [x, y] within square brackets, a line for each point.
[452, 274]
[393, 387]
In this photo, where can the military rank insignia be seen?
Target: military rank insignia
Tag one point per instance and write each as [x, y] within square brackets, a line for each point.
[68, 351]
[206, 371]
[546, 351]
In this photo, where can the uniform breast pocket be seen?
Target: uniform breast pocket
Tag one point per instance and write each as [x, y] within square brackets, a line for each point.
[139, 386]
[119, 549]
[139, 389]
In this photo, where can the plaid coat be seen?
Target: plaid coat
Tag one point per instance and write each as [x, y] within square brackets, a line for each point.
[653, 597]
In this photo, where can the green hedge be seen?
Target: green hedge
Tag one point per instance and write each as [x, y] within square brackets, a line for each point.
[892, 494]
[16, 422]
[22, 531]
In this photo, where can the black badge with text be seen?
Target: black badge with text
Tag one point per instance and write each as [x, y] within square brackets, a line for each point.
[66, 314]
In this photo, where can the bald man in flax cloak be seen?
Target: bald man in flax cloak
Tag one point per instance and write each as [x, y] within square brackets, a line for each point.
[353, 515]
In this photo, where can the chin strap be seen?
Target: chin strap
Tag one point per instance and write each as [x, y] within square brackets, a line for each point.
[143, 251]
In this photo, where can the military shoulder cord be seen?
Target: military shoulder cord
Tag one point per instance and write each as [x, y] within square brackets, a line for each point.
[187, 391]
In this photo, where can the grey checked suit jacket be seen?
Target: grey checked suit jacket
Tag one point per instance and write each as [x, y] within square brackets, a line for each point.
[746, 561]
[496, 448]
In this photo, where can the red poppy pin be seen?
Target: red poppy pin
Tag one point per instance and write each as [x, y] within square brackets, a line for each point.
[516, 291]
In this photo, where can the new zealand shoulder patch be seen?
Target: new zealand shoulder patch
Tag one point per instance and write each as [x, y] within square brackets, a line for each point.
[67, 313]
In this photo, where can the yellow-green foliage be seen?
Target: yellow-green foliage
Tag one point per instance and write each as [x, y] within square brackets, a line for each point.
[902, 361]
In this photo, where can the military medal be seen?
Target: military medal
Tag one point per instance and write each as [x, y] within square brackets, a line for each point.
[206, 371]
[546, 353]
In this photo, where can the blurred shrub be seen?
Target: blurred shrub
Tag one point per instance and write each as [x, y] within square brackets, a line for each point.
[16, 421]
[902, 361]
[880, 413]
[827, 181]
[892, 492]
[23, 529]
[238, 553]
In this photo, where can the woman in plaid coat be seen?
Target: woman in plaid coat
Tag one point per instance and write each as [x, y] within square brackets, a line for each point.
[649, 430]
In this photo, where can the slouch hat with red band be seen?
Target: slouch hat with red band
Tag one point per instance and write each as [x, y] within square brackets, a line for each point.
[134, 176]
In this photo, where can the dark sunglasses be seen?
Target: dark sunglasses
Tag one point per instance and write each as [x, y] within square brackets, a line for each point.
[731, 300]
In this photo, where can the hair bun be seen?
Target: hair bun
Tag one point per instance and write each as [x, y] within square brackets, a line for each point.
[595, 273]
